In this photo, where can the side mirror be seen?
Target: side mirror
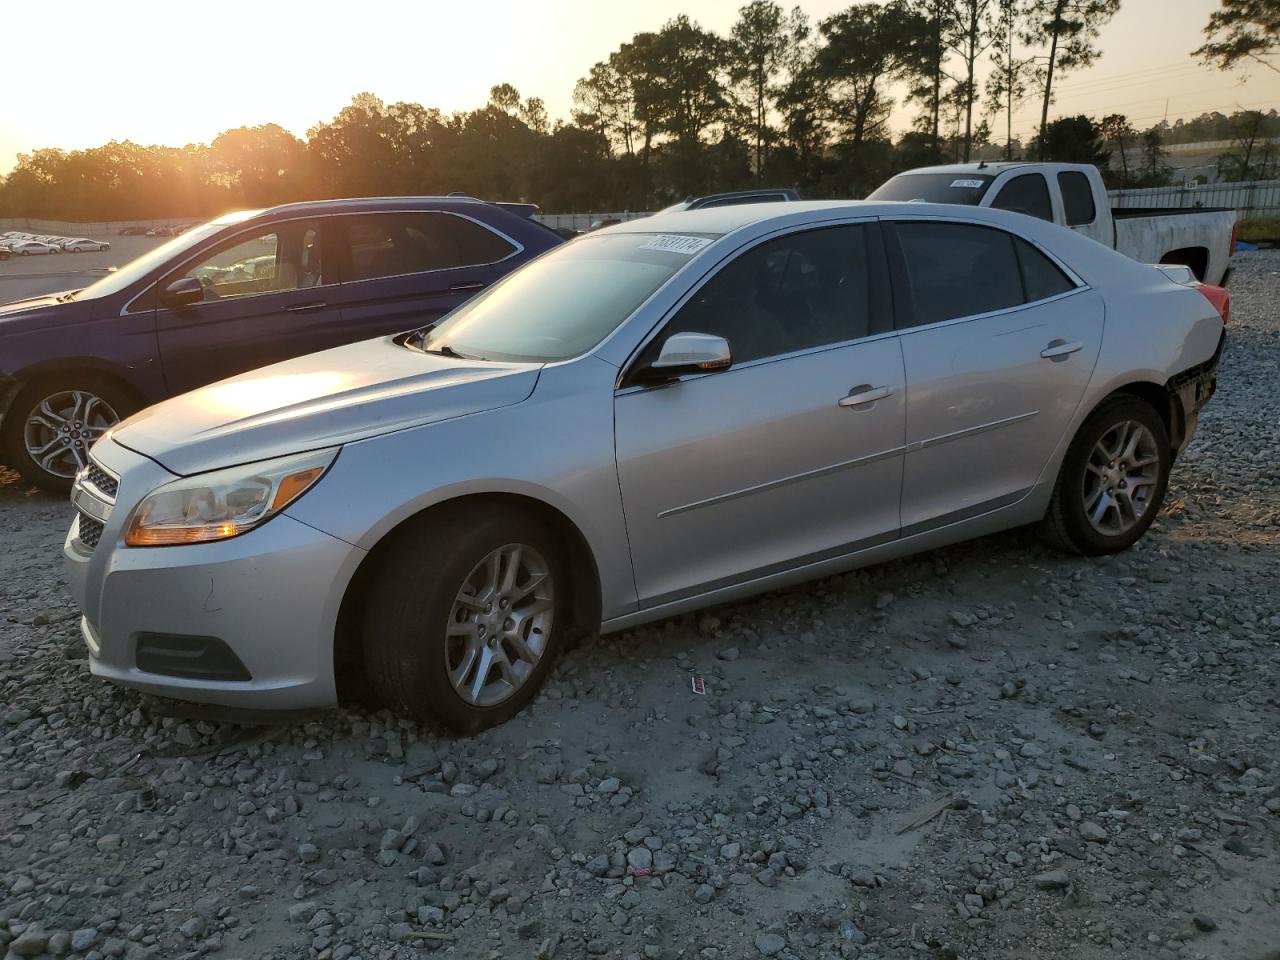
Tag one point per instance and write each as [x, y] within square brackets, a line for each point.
[182, 293]
[685, 353]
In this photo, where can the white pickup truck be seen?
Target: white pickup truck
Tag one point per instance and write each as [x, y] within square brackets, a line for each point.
[1073, 195]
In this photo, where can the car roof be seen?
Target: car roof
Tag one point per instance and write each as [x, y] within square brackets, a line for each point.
[990, 167]
[377, 204]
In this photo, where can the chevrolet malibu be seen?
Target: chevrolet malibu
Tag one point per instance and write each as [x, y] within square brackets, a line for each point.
[662, 415]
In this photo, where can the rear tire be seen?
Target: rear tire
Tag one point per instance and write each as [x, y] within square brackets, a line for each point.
[1112, 481]
[439, 644]
[36, 417]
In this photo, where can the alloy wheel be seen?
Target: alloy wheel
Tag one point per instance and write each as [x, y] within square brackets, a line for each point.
[1120, 479]
[499, 625]
[61, 428]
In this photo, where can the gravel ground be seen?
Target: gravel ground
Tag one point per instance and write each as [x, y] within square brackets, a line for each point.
[988, 751]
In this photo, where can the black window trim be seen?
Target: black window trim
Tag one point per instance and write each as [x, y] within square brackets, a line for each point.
[876, 243]
[904, 306]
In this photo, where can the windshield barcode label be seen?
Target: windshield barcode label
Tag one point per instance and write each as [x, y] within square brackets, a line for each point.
[673, 243]
[966, 183]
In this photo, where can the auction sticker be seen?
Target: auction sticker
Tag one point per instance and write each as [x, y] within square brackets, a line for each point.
[966, 183]
[674, 243]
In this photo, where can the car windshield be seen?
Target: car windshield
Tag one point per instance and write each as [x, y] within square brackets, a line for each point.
[966, 188]
[135, 270]
[564, 303]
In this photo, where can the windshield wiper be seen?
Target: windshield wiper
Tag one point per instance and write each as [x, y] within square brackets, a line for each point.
[447, 351]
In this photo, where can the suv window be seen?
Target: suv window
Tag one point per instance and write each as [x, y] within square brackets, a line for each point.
[393, 244]
[793, 293]
[1028, 194]
[285, 258]
[1041, 277]
[958, 270]
[1077, 197]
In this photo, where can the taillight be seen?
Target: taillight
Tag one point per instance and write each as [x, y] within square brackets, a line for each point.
[1235, 235]
[1219, 297]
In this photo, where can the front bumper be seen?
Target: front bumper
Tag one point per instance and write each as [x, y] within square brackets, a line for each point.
[269, 597]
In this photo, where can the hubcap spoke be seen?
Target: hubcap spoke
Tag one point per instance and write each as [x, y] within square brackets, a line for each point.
[499, 625]
[1120, 473]
[60, 428]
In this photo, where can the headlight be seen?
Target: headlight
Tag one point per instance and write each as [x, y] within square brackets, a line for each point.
[224, 503]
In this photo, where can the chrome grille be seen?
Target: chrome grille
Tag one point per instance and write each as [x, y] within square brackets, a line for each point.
[106, 484]
[89, 531]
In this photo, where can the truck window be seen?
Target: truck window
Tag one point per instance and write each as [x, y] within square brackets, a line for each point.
[966, 188]
[1077, 197]
[1027, 194]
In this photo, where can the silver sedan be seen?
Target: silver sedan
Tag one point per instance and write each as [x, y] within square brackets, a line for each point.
[662, 415]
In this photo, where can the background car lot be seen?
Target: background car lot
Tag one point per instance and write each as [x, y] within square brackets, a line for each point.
[22, 277]
[1096, 739]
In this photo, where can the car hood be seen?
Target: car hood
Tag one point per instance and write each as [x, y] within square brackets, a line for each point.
[42, 311]
[320, 400]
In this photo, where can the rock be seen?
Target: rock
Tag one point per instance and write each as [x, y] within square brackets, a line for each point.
[640, 858]
[770, 944]
[1205, 923]
[704, 893]
[30, 943]
[1093, 833]
[729, 653]
[1053, 880]
[83, 939]
[192, 928]
[609, 785]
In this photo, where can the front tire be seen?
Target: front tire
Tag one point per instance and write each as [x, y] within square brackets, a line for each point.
[47, 431]
[466, 616]
[1112, 481]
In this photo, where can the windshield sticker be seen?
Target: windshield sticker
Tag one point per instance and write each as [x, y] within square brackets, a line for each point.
[673, 243]
[972, 184]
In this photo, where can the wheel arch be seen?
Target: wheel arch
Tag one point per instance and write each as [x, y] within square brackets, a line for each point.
[18, 381]
[1162, 400]
[1197, 258]
[584, 579]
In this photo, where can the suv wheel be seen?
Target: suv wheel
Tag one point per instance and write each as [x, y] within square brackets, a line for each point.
[1113, 479]
[465, 616]
[49, 428]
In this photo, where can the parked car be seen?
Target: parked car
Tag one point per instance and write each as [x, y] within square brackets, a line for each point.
[204, 306]
[34, 248]
[85, 246]
[761, 195]
[658, 416]
[1073, 195]
[133, 232]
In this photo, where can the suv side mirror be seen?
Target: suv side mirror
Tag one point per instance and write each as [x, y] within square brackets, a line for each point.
[182, 292]
[685, 353]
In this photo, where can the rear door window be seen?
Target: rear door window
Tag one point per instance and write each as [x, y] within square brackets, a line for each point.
[395, 244]
[958, 270]
[1027, 194]
[1077, 198]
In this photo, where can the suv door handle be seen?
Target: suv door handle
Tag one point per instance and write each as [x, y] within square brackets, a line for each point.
[465, 287]
[306, 307]
[1060, 348]
[865, 394]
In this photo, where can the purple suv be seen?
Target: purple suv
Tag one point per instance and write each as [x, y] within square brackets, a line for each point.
[240, 292]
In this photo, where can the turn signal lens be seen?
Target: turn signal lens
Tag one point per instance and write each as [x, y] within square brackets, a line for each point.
[224, 503]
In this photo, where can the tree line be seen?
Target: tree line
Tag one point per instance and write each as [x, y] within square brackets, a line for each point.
[681, 110]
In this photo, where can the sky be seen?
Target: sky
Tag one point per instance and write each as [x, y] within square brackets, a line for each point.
[177, 72]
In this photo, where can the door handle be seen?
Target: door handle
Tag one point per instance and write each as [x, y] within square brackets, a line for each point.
[306, 307]
[1060, 348]
[466, 287]
[868, 394]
